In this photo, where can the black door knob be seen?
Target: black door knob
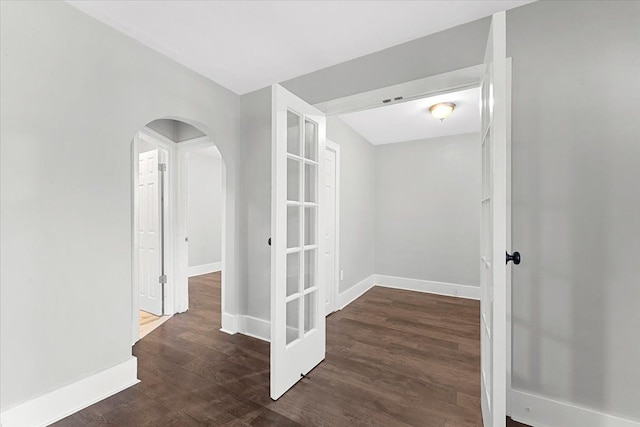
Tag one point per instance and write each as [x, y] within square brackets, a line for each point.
[269, 241]
[515, 258]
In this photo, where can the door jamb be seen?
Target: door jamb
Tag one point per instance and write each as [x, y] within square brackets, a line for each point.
[330, 145]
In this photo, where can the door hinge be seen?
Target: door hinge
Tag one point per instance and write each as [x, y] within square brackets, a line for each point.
[162, 167]
[162, 279]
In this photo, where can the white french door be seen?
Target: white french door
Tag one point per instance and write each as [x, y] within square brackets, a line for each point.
[297, 279]
[150, 231]
[495, 163]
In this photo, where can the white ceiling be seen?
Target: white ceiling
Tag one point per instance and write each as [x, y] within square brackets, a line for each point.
[248, 45]
[411, 120]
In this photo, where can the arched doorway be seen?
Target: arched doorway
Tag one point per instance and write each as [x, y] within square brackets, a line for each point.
[160, 220]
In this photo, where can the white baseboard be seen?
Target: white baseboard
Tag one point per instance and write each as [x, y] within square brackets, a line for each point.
[254, 327]
[355, 292]
[246, 325]
[198, 270]
[429, 286]
[229, 323]
[60, 403]
[540, 411]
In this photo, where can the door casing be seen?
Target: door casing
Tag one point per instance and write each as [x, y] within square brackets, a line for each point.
[332, 292]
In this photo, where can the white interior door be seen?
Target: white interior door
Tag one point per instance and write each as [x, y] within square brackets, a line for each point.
[494, 226]
[329, 214]
[150, 232]
[297, 280]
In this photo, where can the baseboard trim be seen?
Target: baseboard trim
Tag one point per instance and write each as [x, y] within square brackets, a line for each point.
[428, 286]
[254, 327]
[198, 270]
[355, 292]
[229, 323]
[540, 411]
[60, 403]
[261, 329]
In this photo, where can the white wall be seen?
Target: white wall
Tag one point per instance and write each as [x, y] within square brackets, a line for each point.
[204, 198]
[74, 92]
[427, 209]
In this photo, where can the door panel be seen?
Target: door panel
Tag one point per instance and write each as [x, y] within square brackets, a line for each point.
[297, 281]
[149, 232]
[494, 226]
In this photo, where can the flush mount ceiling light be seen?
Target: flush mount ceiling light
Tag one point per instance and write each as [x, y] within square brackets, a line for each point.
[442, 110]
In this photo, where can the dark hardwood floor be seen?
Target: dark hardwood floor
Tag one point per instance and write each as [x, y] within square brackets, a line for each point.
[394, 358]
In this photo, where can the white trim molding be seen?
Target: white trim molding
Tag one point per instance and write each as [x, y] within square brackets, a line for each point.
[429, 286]
[356, 291]
[60, 403]
[540, 411]
[229, 323]
[250, 326]
[197, 270]
[254, 327]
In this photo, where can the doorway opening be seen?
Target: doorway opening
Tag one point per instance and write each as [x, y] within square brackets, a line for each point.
[178, 220]
[495, 361]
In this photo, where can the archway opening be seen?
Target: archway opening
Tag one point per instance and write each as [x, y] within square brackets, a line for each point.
[178, 221]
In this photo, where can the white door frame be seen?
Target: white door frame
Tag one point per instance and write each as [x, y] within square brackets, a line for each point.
[451, 81]
[333, 293]
[176, 293]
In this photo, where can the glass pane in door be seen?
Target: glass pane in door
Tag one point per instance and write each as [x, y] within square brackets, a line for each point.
[310, 311]
[310, 180]
[310, 140]
[293, 180]
[293, 324]
[310, 262]
[309, 225]
[293, 134]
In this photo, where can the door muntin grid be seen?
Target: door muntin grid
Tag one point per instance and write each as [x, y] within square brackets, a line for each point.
[302, 227]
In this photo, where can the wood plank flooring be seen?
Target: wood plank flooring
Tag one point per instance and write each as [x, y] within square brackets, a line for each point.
[149, 322]
[394, 358]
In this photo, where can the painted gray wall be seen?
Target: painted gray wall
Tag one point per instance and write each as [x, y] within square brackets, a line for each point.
[256, 207]
[427, 209]
[185, 132]
[357, 198]
[576, 202]
[204, 201]
[165, 127]
[448, 50]
[74, 92]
